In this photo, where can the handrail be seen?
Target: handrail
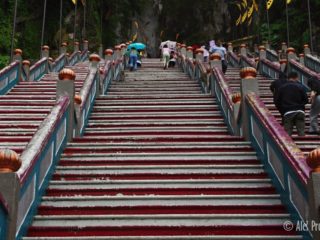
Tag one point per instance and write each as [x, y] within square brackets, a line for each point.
[74, 58]
[34, 149]
[268, 68]
[9, 76]
[200, 74]
[223, 93]
[38, 69]
[88, 94]
[233, 59]
[3, 203]
[271, 55]
[292, 152]
[282, 158]
[106, 77]
[247, 62]
[84, 55]
[38, 161]
[303, 72]
[59, 63]
[4, 210]
[312, 62]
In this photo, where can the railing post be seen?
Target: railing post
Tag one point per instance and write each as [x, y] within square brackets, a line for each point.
[291, 54]
[100, 50]
[85, 45]
[50, 63]
[108, 54]
[17, 55]
[284, 47]
[255, 48]
[76, 47]
[94, 64]
[230, 47]
[10, 188]
[94, 61]
[77, 109]
[236, 99]
[123, 48]
[283, 64]
[243, 50]
[262, 52]
[301, 58]
[281, 55]
[215, 61]
[26, 68]
[66, 87]
[306, 49]
[199, 54]
[313, 160]
[117, 52]
[249, 84]
[183, 50]
[63, 48]
[45, 51]
[189, 53]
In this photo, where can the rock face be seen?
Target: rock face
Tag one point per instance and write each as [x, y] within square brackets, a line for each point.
[186, 21]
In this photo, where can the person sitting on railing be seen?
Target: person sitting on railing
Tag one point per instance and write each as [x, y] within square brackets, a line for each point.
[291, 100]
[314, 85]
[276, 84]
[222, 52]
[133, 59]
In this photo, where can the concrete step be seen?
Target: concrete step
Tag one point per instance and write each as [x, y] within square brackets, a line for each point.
[162, 220]
[182, 237]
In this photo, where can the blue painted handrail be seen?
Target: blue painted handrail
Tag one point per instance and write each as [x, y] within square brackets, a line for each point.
[312, 62]
[59, 63]
[269, 69]
[272, 55]
[233, 59]
[84, 55]
[39, 69]
[111, 71]
[74, 58]
[223, 93]
[88, 95]
[38, 161]
[4, 209]
[303, 72]
[9, 76]
[247, 62]
[106, 77]
[284, 161]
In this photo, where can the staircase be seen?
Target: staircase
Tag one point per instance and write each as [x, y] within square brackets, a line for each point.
[27, 104]
[157, 162]
[306, 143]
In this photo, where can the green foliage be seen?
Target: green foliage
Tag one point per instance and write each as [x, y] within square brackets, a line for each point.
[4, 61]
[298, 23]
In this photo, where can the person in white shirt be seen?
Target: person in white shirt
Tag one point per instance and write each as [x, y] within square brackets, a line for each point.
[205, 53]
[165, 56]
